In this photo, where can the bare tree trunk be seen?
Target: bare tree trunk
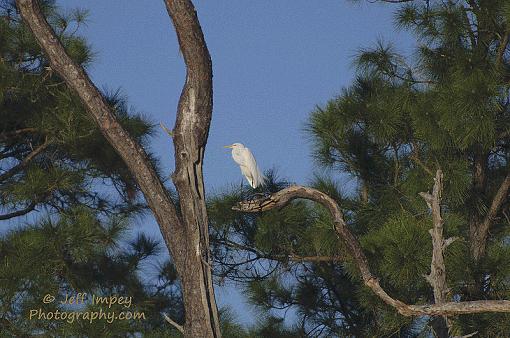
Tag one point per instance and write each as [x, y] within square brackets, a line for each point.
[437, 276]
[190, 137]
[185, 235]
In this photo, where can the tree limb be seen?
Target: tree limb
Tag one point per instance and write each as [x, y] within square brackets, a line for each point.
[6, 135]
[482, 231]
[285, 196]
[283, 257]
[416, 158]
[186, 236]
[437, 276]
[17, 213]
[502, 48]
[130, 151]
[174, 324]
[14, 170]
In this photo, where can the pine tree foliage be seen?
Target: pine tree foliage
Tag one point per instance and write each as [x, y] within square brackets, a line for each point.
[404, 117]
[77, 252]
[446, 105]
[269, 254]
[51, 153]
[57, 169]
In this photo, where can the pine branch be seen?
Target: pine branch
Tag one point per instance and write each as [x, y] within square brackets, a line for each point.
[481, 232]
[21, 212]
[6, 135]
[415, 157]
[502, 48]
[283, 197]
[14, 170]
[283, 257]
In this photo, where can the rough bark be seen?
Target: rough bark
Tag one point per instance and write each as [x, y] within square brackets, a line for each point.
[285, 196]
[190, 134]
[437, 276]
[185, 235]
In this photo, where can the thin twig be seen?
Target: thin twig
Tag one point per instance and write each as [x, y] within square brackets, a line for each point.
[174, 324]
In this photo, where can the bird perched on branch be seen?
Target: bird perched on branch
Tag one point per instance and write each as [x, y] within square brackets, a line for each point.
[249, 167]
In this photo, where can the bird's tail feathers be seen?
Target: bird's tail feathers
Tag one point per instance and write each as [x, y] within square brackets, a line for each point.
[261, 179]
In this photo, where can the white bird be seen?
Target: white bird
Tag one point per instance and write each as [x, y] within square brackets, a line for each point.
[249, 167]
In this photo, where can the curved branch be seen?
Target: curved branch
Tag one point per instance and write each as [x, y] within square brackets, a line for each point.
[481, 233]
[285, 196]
[14, 170]
[17, 213]
[173, 323]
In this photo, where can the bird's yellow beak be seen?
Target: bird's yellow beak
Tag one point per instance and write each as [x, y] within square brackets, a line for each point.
[230, 146]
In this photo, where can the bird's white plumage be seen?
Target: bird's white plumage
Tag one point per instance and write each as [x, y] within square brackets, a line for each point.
[249, 168]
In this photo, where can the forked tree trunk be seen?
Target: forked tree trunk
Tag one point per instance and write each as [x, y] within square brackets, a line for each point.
[190, 137]
[185, 234]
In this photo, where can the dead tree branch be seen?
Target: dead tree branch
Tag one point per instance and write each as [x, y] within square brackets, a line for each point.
[437, 276]
[285, 196]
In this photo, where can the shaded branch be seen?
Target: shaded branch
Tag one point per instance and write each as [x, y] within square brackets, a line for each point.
[21, 212]
[415, 157]
[482, 230]
[283, 257]
[6, 135]
[285, 196]
[17, 168]
[502, 48]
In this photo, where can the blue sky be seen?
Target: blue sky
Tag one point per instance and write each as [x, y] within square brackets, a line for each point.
[273, 62]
